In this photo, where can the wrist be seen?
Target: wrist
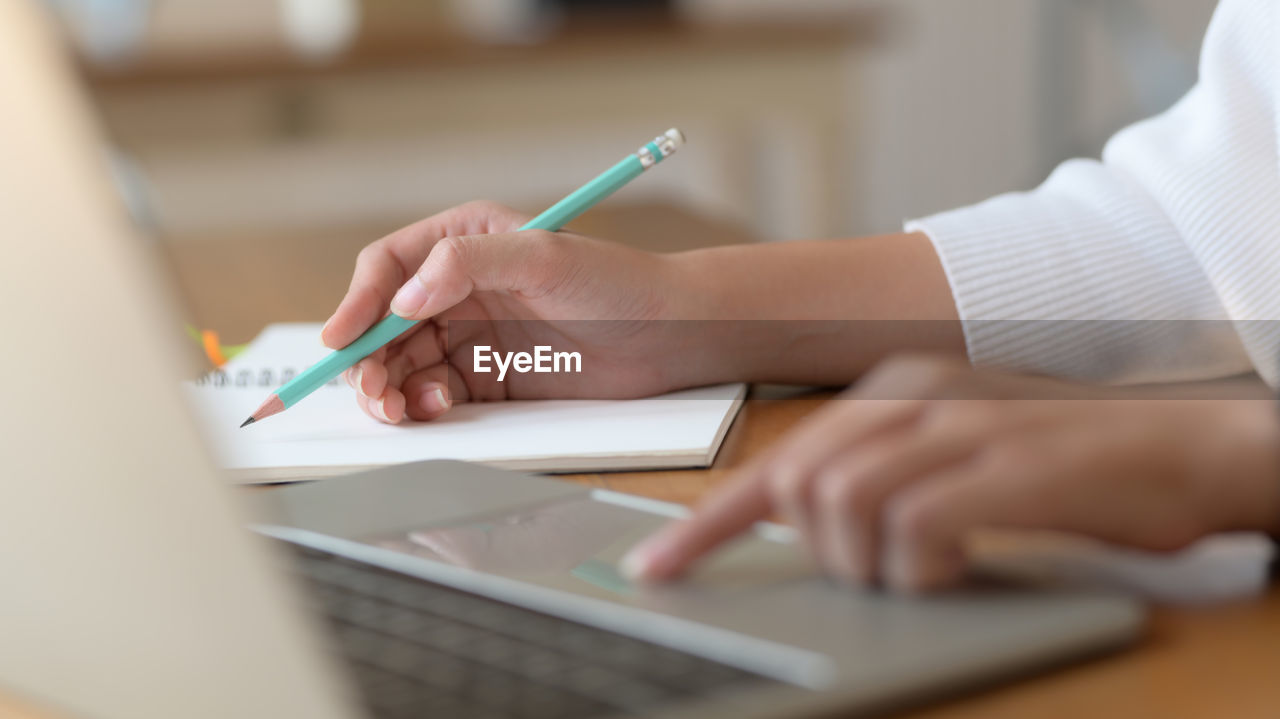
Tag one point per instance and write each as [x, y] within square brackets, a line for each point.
[718, 336]
[819, 312]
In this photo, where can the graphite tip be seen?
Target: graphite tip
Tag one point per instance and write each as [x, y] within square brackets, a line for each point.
[273, 405]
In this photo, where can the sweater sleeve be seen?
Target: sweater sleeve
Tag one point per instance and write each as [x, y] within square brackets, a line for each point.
[1161, 262]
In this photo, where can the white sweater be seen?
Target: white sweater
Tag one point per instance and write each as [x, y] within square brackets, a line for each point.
[1159, 263]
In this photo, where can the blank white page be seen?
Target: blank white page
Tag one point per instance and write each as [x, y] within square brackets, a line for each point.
[327, 434]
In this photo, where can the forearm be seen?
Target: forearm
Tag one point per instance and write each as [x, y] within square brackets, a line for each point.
[818, 312]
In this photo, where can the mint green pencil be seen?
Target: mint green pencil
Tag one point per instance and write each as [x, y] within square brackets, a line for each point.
[392, 326]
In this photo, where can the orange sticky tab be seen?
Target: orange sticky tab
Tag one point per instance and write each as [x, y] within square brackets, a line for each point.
[212, 349]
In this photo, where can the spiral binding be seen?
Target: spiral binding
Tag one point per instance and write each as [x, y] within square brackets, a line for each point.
[264, 378]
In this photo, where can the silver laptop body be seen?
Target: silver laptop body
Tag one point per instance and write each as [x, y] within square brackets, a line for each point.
[552, 547]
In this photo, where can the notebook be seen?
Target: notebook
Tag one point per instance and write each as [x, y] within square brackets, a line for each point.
[326, 434]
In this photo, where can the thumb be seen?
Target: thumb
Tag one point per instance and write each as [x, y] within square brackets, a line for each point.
[528, 262]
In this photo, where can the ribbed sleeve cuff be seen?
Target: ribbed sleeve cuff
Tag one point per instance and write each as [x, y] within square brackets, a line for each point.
[1083, 278]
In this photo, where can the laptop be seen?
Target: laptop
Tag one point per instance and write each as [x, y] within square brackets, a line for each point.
[134, 587]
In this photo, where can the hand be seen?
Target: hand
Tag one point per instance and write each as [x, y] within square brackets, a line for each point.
[887, 482]
[643, 323]
[468, 266]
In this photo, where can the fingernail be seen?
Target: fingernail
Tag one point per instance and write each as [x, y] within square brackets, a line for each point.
[410, 298]
[325, 328]
[434, 402]
[634, 566]
[644, 561]
[356, 375]
[380, 407]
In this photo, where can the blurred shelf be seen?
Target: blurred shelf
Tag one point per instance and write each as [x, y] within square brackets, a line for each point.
[578, 39]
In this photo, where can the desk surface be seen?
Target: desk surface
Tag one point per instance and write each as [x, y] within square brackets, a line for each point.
[1194, 663]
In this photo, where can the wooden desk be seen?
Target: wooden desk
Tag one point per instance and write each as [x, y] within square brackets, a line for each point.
[1195, 663]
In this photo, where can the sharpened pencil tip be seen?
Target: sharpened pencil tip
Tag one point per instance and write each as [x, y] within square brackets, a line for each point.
[273, 405]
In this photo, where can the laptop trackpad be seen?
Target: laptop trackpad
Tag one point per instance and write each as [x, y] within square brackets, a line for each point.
[575, 544]
[537, 530]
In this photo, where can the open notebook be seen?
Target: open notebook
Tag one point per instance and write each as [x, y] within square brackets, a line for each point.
[327, 434]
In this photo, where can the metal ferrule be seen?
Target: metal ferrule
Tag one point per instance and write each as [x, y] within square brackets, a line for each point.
[665, 147]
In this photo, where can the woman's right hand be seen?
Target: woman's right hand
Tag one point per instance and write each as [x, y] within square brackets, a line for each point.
[476, 281]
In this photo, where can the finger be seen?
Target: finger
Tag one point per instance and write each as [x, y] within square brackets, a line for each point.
[357, 376]
[364, 403]
[751, 496]
[378, 272]
[829, 433]
[388, 407]
[420, 351]
[383, 266]
[368, 377]
[791, 497]
[530, 263]
[426, 393]
[725, 514]
[852, 490]
[928, 524]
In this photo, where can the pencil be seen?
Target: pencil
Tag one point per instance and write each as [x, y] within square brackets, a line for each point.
[392, 326]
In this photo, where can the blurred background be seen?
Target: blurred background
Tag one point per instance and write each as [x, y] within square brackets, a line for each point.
[267, 119]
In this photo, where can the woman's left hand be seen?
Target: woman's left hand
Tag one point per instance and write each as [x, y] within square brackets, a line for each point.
[886, 482]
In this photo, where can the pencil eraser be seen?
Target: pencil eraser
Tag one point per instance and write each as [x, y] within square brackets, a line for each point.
[675, 136]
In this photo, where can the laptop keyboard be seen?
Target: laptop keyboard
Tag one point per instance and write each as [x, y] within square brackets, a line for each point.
[421, 649]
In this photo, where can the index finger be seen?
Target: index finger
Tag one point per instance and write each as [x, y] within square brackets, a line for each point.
[383, 266]
[379, 271]
[749, 498]
[724, 515]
